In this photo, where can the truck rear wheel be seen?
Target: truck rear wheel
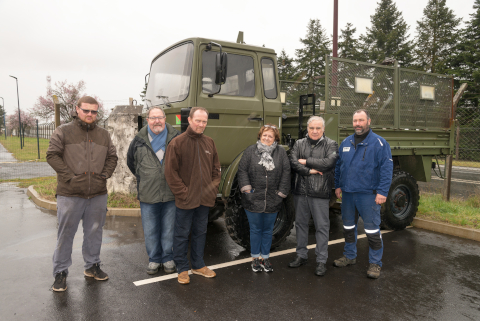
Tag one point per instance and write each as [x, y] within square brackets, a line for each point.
[402, 202]
[237, 222]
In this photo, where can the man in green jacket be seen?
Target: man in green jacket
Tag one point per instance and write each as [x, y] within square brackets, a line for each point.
[146, 160]
[84, 157]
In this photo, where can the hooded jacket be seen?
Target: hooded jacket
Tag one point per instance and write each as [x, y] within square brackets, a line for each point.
[84, 157]
[192, 170]
[150, 173]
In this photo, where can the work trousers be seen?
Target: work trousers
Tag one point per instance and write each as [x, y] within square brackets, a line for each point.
[318, 208]
[193, 221]
[70, 210]
[365, 206]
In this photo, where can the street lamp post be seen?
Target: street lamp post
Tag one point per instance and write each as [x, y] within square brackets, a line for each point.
[19, 118]
[4, 123]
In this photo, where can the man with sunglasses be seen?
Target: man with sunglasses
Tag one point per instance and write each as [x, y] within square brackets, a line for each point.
[84, 157]
[146, 160]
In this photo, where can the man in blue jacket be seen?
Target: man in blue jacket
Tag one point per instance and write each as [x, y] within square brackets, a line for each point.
[363, 175]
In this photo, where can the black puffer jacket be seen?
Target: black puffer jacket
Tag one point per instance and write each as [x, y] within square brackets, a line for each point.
[269, 186]
[321, 157]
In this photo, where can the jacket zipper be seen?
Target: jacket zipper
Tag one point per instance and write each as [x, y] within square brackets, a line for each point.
[364, 151]
[88, 163]
[200, 165]
[266, 188]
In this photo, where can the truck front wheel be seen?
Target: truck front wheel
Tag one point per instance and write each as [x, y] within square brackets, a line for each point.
[402, 202]
[237, 222]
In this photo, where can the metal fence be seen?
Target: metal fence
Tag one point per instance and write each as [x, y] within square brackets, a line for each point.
[294, 89]
[467, 138]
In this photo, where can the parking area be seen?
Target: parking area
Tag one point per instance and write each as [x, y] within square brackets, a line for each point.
[426, 276]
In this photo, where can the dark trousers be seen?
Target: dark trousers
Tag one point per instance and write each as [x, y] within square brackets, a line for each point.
[186, 221]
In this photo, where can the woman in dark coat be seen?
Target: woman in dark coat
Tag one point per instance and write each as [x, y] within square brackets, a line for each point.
[264, 180]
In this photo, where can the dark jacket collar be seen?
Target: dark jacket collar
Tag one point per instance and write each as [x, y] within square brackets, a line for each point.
[83, 125]
[143, 133]
[193, 134]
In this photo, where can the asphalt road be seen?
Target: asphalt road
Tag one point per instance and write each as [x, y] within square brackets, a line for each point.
[426, 275]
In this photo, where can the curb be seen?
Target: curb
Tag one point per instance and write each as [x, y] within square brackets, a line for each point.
[463, 232]
[49, 205]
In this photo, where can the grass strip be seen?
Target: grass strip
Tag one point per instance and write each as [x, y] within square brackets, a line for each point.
[29, 151]
[46, 188]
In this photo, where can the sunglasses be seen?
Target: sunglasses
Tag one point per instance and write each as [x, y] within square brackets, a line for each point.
[88, 111]
[270, 126]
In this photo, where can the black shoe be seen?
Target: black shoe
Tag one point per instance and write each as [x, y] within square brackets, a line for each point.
[60, 283]
[96, 272]
[256, 267]
[297, 262]
[321, 269]
[266, 265]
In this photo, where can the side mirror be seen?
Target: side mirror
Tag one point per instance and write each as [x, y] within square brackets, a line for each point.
[220, 68]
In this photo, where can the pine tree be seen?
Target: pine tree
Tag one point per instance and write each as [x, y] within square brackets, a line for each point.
[311, 58]
[348, 46]
[465, 59]
[143, 93]
[436, 36]
[286, 69]
[388, 35]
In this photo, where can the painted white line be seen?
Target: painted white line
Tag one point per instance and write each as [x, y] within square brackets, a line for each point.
[457, 180]
[242, 261]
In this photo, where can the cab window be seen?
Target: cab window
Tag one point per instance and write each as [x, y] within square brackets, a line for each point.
[269, 82]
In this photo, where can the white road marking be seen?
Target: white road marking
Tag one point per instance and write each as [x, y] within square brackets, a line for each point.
[242, 261]
[457, 180]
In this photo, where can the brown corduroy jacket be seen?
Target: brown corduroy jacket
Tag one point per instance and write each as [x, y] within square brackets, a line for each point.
[192, 170]
[84, 157]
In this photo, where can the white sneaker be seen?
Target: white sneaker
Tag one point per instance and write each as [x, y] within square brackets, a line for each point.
[169, 267]
[153, 267]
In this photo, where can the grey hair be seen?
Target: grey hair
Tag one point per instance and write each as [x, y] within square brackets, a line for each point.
[315, 118]
[152, 108]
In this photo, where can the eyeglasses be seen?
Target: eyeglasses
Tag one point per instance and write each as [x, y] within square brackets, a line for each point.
[156, 118]
[270, 126]
[88, 111]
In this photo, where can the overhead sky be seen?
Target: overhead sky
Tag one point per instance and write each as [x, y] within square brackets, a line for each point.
[110, 44]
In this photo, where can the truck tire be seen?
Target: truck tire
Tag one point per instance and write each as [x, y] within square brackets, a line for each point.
[402, 202]
[237, 222]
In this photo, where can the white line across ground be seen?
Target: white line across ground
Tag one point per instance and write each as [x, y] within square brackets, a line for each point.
[459, 180]
[242, 261]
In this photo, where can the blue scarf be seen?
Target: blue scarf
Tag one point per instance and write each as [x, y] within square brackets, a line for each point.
[158, 141]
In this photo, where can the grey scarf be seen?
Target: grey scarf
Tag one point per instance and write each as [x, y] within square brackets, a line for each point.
[266, 155]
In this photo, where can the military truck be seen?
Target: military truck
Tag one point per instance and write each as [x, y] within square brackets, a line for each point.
[238, 84]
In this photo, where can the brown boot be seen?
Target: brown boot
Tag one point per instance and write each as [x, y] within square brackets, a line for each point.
[183, 278]
[205, 271]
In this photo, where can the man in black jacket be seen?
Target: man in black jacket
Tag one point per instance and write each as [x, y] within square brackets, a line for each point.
[313, 161]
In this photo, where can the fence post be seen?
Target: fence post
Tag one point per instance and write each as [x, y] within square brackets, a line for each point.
[38, 140]
[448, 178]
[457, 142]
[56, 103]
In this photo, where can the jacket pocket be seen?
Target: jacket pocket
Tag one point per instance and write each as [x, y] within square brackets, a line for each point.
[78, 185]
[98, 184]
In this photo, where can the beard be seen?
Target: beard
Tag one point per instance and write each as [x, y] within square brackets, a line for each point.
[361, 130]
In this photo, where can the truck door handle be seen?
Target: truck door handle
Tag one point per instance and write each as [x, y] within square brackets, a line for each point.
[255, 119]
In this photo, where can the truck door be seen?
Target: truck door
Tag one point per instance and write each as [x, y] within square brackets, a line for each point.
[236, 113]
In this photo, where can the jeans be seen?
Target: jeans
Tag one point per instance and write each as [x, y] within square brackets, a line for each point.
[318, 208]
[195, 221]
[158, 221]
[370, 213]
[261, 229]
[70, 210]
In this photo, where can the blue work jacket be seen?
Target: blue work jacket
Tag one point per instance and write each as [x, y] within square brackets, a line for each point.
[366, 169]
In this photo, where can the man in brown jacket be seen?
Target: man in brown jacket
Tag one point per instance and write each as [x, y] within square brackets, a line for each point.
[192, 170]
[84, 157]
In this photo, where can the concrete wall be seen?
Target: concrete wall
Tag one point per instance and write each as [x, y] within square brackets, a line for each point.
[122, 126]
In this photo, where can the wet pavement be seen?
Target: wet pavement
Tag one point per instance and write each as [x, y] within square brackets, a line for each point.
[426, 276]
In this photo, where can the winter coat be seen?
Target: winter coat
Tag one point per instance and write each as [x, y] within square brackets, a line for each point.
[192, 170]
[269, 187]
[150, 173]
[366, 169]
[321, 157]
[84, 157]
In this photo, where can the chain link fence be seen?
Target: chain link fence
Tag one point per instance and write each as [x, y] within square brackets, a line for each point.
[294, 89]
[467, 138]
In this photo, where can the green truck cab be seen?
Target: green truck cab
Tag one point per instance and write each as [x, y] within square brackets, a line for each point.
[239, 86]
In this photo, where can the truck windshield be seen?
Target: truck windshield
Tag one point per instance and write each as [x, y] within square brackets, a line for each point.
[170, 76]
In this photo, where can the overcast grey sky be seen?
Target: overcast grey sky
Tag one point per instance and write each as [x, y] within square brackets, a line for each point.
[110, 44]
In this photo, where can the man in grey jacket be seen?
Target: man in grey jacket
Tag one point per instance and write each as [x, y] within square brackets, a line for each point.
[313, 161]
[146, 160]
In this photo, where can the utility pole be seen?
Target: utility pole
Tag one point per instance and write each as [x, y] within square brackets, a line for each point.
[335, 28]
[19, 118]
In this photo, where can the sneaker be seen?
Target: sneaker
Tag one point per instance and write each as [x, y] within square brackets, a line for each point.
[169, 267]
[183, 277]
[60, 283]
[96, 272]
[343, 261]
[321, 269]
[266, 265]
[256, 267]
[373, 271]
[205, 271]
[153, 267]
[298, 262]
